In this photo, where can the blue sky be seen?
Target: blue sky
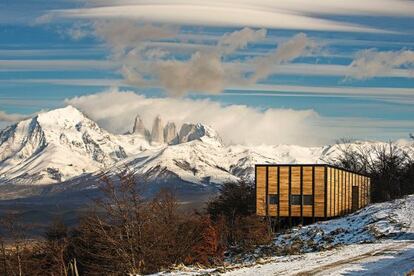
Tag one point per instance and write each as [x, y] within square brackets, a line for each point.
[355, 68]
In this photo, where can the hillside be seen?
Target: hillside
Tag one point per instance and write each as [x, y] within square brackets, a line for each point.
[376, 240]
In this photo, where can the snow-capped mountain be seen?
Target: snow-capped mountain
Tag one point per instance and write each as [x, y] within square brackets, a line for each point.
[63, 144]
[58, 145]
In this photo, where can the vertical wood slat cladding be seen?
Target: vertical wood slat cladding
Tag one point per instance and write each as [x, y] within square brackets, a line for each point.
[295, 190]
[261, 190]
[272, 189]
[345, 176]
[335, 213]
[284, 191]
[330, 200]
[329, 190]
[338, 192]
[307, 189]
[363, 192]
[369, 190]
[319, 191]
[341, 191]
[348, 192]
[358, 184]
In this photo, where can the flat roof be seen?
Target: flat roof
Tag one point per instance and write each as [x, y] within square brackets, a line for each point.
[313, 165]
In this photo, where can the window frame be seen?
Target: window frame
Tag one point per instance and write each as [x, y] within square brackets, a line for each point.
[274, 197]
[295, 199]
[310, 198]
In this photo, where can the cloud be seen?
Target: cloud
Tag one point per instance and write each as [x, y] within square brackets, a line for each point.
[230, 42]
[116, 111]
[77, 31]
[203, 72]
[236, 124]
[287, 51]
[123, 35]
[12, 117]
[259, 14]
[372, 63]
[339, 7]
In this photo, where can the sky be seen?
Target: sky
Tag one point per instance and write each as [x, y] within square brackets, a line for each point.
[291, 71]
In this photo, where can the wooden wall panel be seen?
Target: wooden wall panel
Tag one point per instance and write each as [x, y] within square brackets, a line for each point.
[295, 189]
[335, 192]
[307, 180]
[363, 192]
[329, 191]
[346, 182]
[338, 199]
[272, 182]
[349, 192]
[353, 183]
[284, 191]
[369, 190]
[359, 190]
[319, 191]
[340, 192]
[261, 190]
[307, 189]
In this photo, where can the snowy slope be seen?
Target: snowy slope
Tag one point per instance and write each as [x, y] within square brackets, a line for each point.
[63, 144]
[58, 145]
[376, 240]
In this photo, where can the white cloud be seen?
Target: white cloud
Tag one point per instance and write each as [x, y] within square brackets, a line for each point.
[352, 7]
[11, 117]
[262, 14]
[230, 42]
[203, 72]
[287, 51]
[116, 110]
[372, 63]
[127, 35]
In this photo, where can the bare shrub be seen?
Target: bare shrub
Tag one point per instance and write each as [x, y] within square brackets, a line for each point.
[125, 234]
[235, 207]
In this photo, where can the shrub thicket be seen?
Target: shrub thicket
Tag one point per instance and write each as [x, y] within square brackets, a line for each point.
[235, 207]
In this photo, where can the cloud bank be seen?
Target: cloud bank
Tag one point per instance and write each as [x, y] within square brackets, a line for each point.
[206, 70]
[237, 124]
[296, 14]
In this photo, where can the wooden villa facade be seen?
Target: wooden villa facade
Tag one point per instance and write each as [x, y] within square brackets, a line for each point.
[309, 191]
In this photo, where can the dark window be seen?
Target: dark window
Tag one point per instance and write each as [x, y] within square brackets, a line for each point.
[307, 200]
[295, 199]
[273, 199]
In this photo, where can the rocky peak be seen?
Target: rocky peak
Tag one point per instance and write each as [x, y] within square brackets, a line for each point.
[157, 132]
[139, 127]
[190, 132]
[170, 133]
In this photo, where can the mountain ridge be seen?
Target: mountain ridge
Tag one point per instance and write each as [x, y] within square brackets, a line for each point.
[63, 145]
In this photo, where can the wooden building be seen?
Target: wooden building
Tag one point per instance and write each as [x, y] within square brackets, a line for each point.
[309, 191]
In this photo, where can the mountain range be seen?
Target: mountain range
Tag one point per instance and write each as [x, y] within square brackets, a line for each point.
[63, 150]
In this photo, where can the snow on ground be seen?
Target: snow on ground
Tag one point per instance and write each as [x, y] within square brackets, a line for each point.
[388, 219]
[376, 240]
